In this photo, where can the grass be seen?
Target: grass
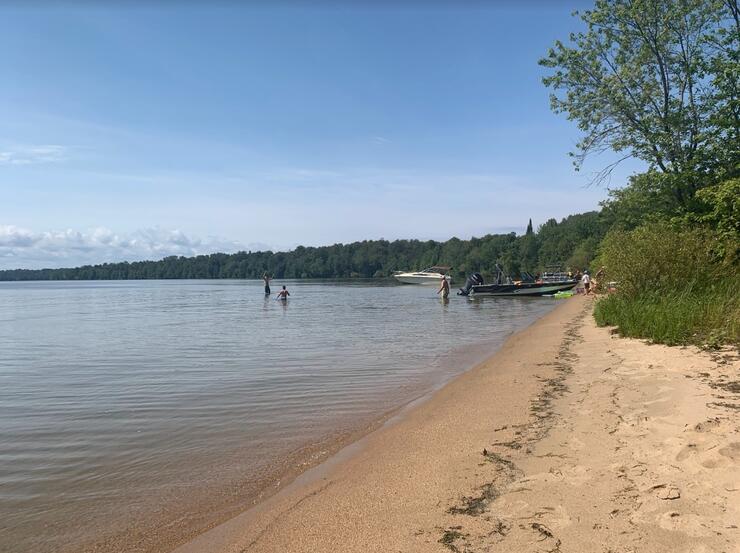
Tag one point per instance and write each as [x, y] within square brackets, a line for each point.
[706, 315]
[676, 285]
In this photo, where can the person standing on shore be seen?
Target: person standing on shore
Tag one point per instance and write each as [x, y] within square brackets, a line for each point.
[444, 288]
[283, 294]
[267, 279]
[586, 282]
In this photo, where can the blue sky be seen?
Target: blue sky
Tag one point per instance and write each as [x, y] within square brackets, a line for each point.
[138, 130]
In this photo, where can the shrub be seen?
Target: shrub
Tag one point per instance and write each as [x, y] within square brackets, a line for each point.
[658, 257]
[721, 212]
[672, 286]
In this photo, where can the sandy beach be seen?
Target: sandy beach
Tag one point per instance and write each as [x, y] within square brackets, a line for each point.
[568, 439]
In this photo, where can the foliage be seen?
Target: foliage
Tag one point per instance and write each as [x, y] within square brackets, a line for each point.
[583, 254]
[660, 80]
[654, 79]
[561, 241]
[648, 196]
[658, 256]
[672, 286]
[553, 243]
[719, 209]
[724, 68]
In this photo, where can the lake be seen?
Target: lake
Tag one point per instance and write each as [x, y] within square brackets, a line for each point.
[136, 412]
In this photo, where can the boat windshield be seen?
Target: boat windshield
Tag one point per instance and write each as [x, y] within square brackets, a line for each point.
[557, 276]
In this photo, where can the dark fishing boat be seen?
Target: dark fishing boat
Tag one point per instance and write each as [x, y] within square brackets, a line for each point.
[550, 283]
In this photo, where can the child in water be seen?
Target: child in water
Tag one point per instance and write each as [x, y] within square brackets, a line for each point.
[283, 294]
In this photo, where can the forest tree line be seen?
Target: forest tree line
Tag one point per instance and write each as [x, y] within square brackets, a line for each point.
[571, 242]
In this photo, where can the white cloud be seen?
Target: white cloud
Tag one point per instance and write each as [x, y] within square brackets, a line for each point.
[28, 155]
[14, 237]
[22, 248]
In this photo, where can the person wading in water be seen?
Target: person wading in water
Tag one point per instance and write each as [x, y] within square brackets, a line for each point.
[267, 279]
[283, 294]
[444, 288]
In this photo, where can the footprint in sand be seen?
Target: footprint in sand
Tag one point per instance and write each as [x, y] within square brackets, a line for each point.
[690, 524]
[688, 451]
[715, 463]
[559, 517]
[576, 474]
[732, 451]
[720, 458]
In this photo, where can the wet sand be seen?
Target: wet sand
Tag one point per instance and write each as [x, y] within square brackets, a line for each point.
[568, 439]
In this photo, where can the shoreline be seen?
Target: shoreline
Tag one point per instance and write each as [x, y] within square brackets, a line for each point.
[214, 539]
[465, 469]
[221, 502]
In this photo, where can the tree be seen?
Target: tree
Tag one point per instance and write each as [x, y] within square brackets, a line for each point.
[657, 80]
[370, 258]
[649, 196]
[529, 228]
[720, 211]
[725, 71]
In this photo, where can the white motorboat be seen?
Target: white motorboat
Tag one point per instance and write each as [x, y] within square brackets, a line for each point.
[430, 275]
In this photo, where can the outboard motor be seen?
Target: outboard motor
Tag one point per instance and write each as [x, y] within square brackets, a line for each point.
[473, 280]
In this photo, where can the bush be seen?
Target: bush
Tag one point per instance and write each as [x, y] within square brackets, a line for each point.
[721, 211]
[659, 256]
[672, 287]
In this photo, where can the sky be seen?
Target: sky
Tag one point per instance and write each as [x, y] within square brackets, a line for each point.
[136, 130]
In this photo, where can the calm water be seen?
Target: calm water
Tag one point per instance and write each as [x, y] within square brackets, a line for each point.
[127, 406]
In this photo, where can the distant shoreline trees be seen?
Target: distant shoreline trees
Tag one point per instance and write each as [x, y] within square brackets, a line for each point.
[572, 242]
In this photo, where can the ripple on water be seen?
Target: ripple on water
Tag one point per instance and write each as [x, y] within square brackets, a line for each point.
[122, 402]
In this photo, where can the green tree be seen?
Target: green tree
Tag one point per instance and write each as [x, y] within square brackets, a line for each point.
[648, 196]
[724, 67]
[720, 211]
[657, 80]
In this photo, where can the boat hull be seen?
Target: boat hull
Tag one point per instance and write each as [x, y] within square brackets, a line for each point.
[417, 279]
[523, 289]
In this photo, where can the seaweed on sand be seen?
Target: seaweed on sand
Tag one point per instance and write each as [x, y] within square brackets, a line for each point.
[450, 536]
[476, 505]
